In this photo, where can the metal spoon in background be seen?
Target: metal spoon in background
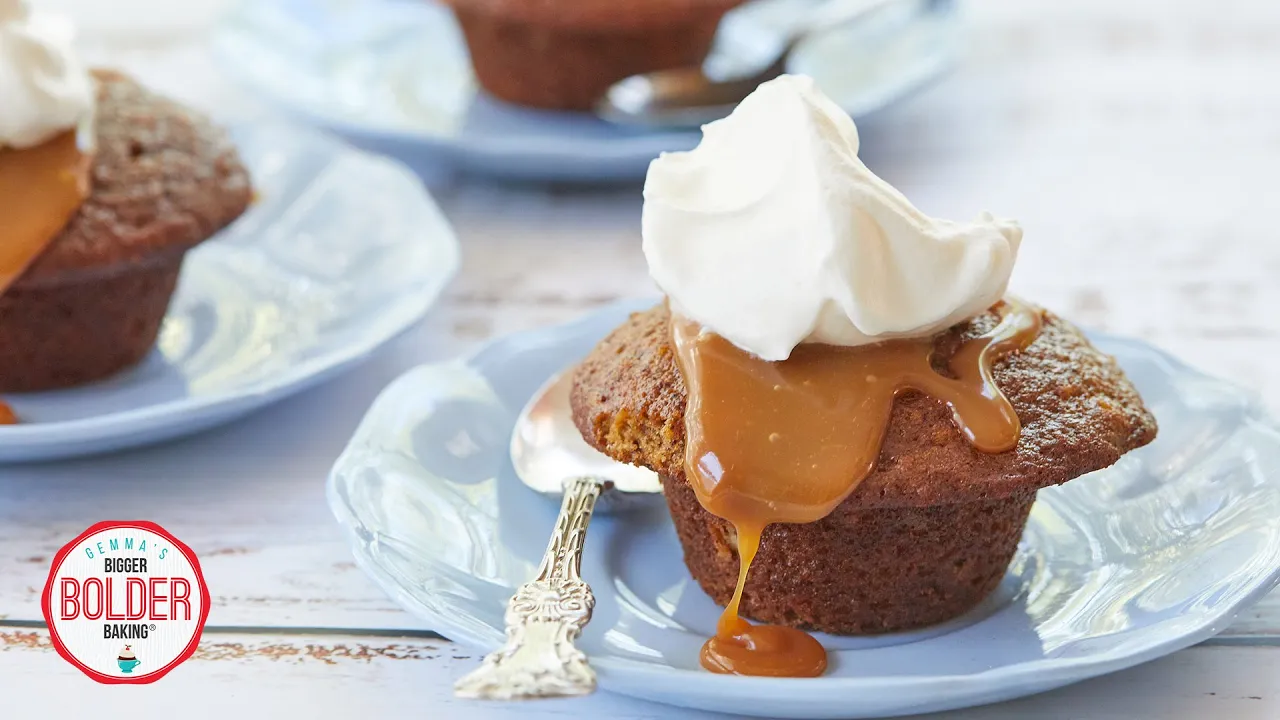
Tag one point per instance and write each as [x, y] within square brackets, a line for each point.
[687, 98]
[547, 614]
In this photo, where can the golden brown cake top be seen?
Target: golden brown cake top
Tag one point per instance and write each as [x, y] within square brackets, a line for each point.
[615, 15]
[163, 179]
[1079, 413]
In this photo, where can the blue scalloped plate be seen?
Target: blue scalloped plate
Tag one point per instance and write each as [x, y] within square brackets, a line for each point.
[394, 76]
[1152, 555]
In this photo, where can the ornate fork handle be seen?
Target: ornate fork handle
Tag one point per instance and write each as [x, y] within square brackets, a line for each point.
[545, 617]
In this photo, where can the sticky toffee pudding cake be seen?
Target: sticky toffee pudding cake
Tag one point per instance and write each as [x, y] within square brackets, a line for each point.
[927, 533]
[851, 418]
[96, 229]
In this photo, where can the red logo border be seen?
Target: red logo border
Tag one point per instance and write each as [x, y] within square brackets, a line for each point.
[46, 602]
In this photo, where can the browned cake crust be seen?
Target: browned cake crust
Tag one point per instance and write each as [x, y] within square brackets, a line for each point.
[1079, 413]
[565, 54]
[929, 533]
[163, 180]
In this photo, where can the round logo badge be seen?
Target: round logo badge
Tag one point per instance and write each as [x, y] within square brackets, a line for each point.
[125, 602]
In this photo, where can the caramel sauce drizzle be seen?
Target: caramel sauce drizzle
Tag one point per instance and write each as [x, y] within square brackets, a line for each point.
[788, 441]
[40, 188]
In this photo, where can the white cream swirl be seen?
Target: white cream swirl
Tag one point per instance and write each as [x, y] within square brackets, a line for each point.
[44, 87]
[772, 232]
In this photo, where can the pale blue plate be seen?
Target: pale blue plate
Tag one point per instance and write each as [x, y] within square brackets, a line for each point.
[394, 76]
[1116, 568]
[341, 251]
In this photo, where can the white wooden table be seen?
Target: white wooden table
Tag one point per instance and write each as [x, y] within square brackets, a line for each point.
[1138, 142]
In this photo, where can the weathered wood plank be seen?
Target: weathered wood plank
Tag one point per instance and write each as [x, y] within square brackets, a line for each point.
[332, 676]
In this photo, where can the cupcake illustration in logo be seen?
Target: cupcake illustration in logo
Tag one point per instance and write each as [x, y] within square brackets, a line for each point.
[127, 660]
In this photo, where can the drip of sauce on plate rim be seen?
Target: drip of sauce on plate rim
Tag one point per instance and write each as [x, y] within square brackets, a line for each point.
[788, 441]
[40, 188]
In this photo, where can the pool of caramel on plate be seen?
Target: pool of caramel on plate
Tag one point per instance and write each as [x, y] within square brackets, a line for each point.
[788, 441]
[40, 188]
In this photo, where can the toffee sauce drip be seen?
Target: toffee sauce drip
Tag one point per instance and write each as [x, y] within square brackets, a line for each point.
[41, 187]
[788, 441]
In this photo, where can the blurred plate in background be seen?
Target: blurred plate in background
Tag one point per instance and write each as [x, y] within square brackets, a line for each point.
[393, 76]
[341, 252]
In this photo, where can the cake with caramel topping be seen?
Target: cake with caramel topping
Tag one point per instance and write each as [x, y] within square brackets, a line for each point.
[929, 532]
[104, 187]
[160, 180]
[850, 415]
[97, 220]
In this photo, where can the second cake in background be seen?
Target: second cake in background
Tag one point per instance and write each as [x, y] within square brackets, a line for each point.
[564, 54]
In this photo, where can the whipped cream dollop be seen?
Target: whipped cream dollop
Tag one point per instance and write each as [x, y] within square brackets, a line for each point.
[44, 87]
[772, 233]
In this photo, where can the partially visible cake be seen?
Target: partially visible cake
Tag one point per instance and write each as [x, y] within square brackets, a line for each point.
[564, 54]
[162, 179]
